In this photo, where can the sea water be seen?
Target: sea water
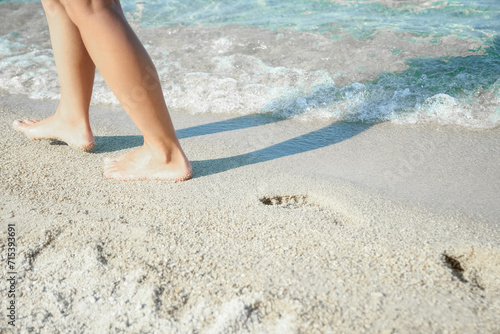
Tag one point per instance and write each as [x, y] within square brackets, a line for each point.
[408, 61]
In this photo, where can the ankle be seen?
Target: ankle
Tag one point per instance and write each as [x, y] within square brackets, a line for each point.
[165, 153]
[73, 116]
[73, 120]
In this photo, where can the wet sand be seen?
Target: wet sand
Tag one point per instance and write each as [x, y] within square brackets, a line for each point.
[286, 227]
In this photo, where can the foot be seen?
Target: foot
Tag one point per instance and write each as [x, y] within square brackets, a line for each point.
[76, 136]
[141, 165]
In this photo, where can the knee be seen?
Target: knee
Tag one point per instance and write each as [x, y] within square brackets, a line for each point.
[79, 10]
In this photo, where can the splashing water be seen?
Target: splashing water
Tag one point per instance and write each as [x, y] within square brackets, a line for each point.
[411, 61]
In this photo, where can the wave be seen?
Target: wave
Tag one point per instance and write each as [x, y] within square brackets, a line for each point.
[401, 77]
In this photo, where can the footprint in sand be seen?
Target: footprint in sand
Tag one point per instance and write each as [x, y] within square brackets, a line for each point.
[290, 202]
[477, 267]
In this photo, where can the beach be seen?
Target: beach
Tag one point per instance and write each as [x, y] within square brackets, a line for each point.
[313, 241]
[345, 175]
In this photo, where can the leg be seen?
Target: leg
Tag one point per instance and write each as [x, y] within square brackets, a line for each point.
[129, 72]
[76, 71]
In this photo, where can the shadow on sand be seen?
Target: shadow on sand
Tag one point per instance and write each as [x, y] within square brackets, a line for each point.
[443, 75]
[328, 135]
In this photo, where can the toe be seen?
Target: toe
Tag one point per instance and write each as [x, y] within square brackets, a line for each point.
[17, 123]
[112, 174]
[109, 165]
[110, 170]
[108, 162]
[108, 173]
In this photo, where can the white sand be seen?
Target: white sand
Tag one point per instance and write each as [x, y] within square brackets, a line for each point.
[387, 229]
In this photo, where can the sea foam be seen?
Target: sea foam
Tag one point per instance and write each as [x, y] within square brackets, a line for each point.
[388, 74]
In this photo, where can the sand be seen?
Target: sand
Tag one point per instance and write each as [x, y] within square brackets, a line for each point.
[287, 227]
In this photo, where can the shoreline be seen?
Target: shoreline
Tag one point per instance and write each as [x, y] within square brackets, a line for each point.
[287, 226]
[439, 168]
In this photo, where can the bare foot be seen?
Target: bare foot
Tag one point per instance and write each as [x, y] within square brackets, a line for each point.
[141, 165]
[76, 136]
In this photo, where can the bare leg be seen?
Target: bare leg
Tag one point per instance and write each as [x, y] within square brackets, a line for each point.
[129, 72]
[76, 71]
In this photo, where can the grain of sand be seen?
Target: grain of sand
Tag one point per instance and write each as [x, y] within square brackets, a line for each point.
[316, 241]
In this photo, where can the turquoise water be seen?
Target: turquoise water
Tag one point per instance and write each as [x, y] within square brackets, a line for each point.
[413, 61]
[362, 19]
